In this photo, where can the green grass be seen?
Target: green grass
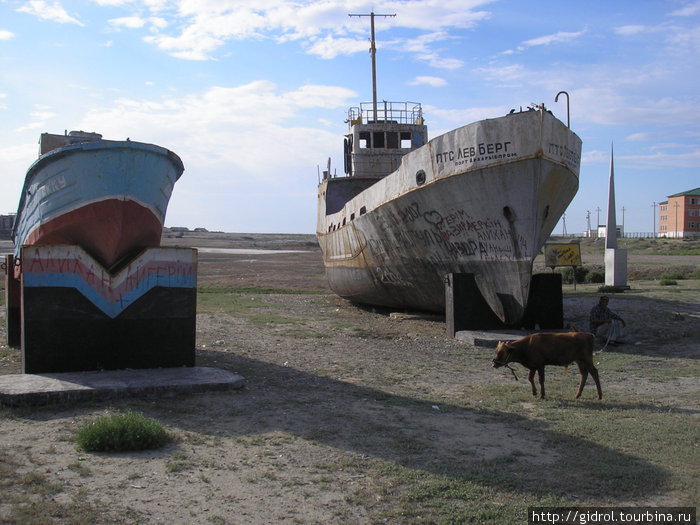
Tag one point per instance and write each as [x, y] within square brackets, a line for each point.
[121, 432]
[251, 290]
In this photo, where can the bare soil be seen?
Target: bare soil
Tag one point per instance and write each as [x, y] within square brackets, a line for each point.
[349, 412]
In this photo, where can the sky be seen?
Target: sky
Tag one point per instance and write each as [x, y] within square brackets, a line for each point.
[253, 96]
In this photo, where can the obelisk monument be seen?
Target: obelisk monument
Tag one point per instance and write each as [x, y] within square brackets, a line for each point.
[615, 258]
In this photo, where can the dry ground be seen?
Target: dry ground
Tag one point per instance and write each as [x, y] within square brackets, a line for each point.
[354, 415]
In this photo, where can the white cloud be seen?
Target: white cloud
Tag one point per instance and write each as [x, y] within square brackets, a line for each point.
[6, 35]
[130, 22]
[112, 3]
[691, 9]
[39, 118]
[503, 75]
[422, 47]
[330, 47]
[45, 11]
[446, 119]
[613, 107]
[630, 30]
[430, 81]
[546, 40]
[203, 26]
[247, 149]
[239, 126]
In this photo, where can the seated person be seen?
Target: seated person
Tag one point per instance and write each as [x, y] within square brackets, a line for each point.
[605, 323]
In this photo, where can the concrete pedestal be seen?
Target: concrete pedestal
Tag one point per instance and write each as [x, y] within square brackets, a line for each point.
[76, 316]
[616, 267]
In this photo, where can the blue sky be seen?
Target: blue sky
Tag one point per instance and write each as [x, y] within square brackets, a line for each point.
[253, 95]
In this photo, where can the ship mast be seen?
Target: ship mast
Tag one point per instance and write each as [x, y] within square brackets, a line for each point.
[373, 51]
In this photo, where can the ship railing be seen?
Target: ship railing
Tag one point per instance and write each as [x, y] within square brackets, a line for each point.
[396, 112]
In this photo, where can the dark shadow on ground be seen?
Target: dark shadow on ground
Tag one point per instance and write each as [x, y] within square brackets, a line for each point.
[500, 450]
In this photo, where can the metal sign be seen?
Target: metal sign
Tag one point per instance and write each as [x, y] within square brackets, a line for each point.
[556, 254]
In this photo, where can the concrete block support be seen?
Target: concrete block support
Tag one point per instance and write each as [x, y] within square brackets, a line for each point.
[466, 309]
[76, 316]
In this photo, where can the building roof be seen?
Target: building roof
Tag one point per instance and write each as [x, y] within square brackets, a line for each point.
[696, 191]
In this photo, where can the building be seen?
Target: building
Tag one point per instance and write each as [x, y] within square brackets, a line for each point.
[6, 222]
[679, 216]
[601, 231]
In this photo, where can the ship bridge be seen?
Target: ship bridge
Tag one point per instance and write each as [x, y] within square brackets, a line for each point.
[378, 139]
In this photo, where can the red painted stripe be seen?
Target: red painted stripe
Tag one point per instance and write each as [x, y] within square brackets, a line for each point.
[108, 230]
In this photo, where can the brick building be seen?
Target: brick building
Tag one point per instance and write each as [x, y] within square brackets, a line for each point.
[679, 216]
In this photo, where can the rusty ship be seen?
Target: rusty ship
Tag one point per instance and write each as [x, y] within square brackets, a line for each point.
[480, 199]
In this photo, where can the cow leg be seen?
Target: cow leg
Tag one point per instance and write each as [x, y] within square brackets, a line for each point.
[584, 375]
[531, 378]
[540, 374]
[594, 373]
[583, 369]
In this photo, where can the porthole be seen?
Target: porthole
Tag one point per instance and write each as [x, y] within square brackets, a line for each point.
[508, 213]
[420, 177]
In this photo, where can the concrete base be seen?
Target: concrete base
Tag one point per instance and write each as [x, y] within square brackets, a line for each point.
[33, 389]
[616, 267]
[489, 339]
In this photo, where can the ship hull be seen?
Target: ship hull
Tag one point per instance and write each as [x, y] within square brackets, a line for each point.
[109, 197]
[482, 213]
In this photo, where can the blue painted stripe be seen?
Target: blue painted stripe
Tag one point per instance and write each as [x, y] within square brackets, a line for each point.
[112, 309]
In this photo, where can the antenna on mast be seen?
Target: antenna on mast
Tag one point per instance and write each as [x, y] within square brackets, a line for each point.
[373, 50]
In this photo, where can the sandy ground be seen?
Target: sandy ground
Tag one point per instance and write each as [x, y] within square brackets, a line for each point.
[334, 394]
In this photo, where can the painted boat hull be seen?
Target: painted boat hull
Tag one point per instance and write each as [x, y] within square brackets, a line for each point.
[108, 197]
[493, 191]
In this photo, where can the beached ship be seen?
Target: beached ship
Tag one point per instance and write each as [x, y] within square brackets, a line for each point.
[480, 199]
[108, 197]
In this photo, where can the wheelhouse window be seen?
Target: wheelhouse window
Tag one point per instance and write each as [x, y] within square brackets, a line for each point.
[364, 139]
[392, 140]
[378, 139]
[405, 140]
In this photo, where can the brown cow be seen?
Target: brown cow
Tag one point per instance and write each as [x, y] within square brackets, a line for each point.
[538, 350]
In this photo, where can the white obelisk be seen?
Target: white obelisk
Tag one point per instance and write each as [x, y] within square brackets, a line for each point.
[615, 258]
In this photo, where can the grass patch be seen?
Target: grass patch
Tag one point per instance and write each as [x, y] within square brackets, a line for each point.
[252, 290]
[668, 282]
[611, 289]
[127, 431]
[227, 302]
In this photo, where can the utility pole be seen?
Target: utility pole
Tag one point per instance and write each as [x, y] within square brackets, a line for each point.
[373, 51]
[598, 223]
[653, 207]
[564, 223]
[623, 222]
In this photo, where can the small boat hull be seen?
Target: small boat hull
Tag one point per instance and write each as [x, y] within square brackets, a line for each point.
[109, 197]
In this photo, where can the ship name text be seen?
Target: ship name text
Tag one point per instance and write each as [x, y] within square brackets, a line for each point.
[572, 158]
[480, 152]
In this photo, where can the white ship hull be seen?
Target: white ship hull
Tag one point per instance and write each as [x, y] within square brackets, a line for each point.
[481, 199]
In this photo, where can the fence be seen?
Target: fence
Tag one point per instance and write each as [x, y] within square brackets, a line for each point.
[593, 235]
